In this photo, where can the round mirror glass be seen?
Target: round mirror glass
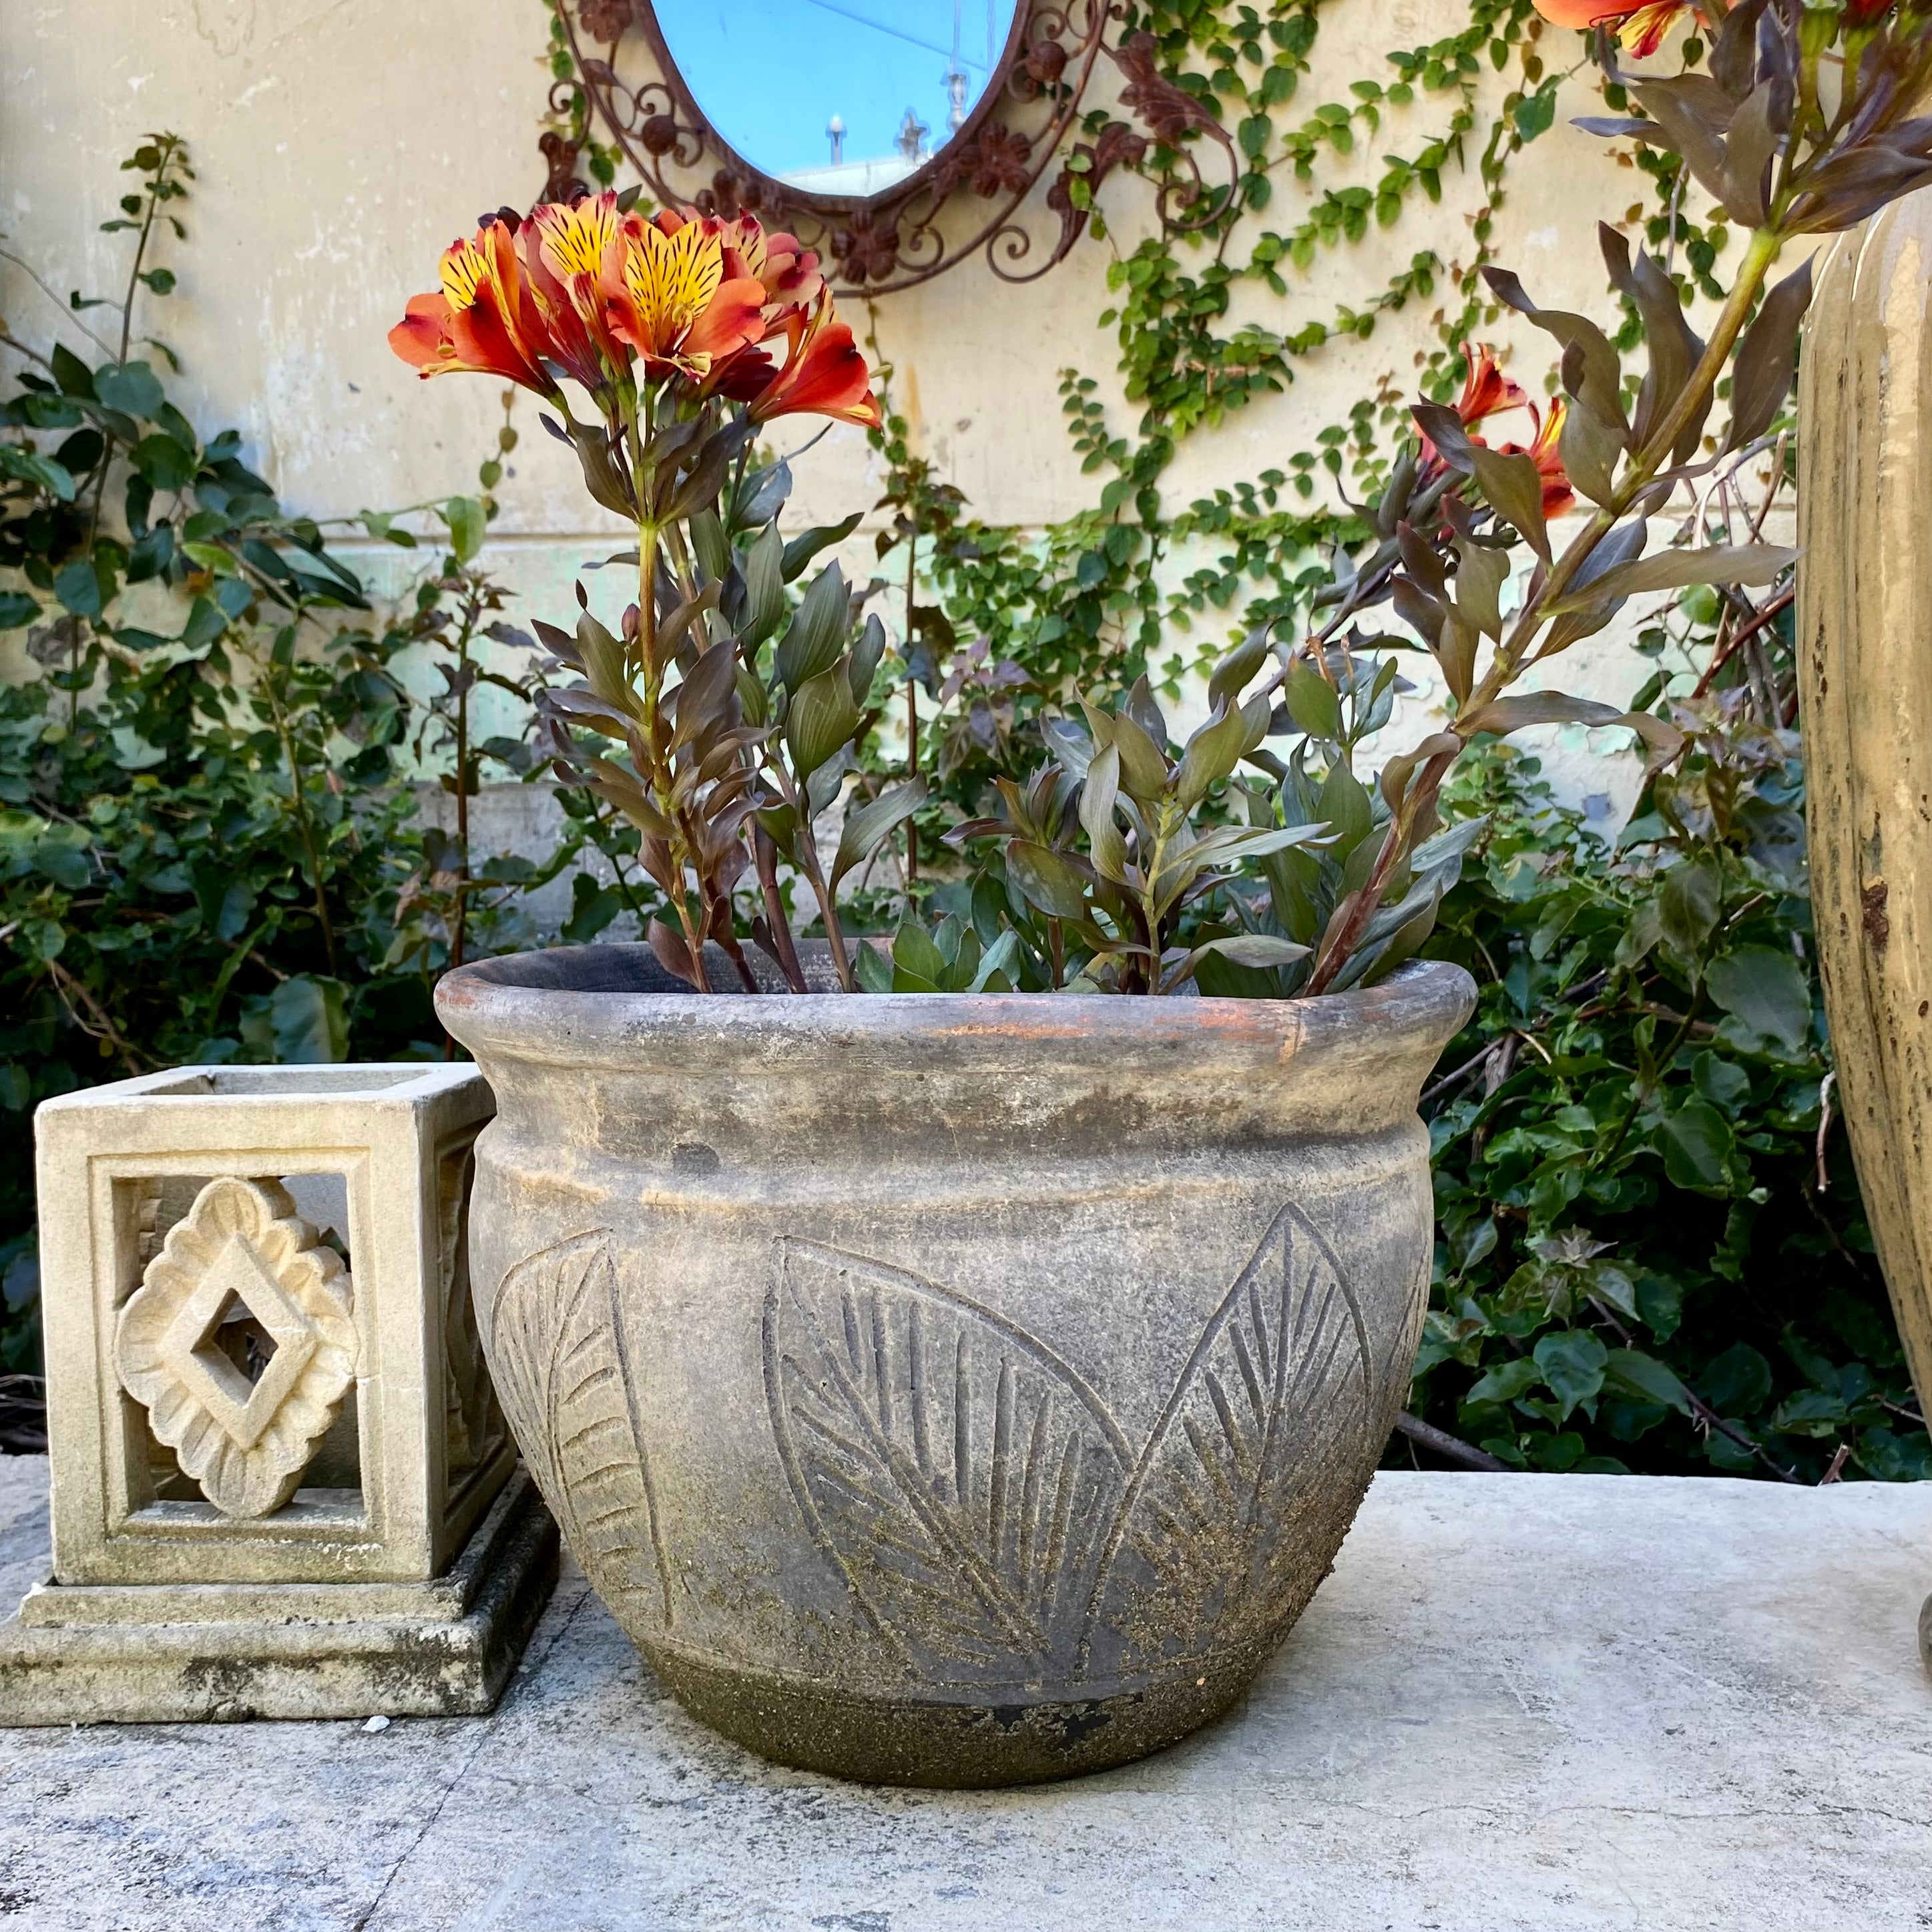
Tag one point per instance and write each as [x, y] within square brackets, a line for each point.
[836, 97]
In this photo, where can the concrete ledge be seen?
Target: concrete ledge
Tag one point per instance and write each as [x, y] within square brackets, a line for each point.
[1521, 1704]
[163, 1653]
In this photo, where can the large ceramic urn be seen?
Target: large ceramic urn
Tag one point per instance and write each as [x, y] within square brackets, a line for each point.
[1864, 665]
[949, 1390]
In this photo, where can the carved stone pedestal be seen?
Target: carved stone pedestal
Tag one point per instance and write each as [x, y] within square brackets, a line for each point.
[282, 1485]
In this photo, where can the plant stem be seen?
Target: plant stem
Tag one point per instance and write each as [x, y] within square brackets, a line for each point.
[765, 855]
[464, 630]
[304, 825]
[912, 715]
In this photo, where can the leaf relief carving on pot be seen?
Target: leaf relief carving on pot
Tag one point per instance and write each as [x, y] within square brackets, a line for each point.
[959, 1473]
[992, 1520]
[561, 1360]
[1233, 1509]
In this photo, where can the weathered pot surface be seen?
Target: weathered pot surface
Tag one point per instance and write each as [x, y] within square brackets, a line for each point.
[949, 1390]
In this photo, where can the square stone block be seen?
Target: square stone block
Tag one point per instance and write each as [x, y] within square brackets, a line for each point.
[273, 1437]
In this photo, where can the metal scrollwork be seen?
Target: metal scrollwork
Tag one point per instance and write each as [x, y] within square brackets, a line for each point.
[1019, 130]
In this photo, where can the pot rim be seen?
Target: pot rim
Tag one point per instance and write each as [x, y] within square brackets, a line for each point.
[488, 1004]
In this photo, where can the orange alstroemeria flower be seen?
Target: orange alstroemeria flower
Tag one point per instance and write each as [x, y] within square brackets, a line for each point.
[1485, 390]
[1640, 27]
[567, 250]
[482, 321]
[1545, 452]
[668, 294]
[583, 290]
[824, 373]
[786, 269]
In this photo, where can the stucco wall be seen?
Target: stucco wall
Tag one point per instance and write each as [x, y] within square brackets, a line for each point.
[339, 144]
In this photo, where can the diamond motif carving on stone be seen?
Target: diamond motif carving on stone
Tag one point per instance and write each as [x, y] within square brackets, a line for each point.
[246, 1442]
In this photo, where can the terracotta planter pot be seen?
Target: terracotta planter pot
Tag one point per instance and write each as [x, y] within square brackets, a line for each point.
[948, 1390]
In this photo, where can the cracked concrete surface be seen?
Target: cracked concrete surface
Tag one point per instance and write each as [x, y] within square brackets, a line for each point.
[1543, 1703]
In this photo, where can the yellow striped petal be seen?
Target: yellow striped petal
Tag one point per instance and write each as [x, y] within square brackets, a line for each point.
[672, 278]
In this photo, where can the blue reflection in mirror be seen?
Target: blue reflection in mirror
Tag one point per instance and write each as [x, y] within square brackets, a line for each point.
[836, 97]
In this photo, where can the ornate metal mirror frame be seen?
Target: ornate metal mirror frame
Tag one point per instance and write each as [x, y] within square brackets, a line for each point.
[1019, 127]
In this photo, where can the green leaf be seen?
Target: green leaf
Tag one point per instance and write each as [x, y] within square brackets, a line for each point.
[764, 589]
[16, 609]
[1256, 948]
[1696, 1142]
[1515, 492]
[468, 525]
[1049, 880]
[805, 547]
[867, 828]
[1688, 904]
[1312, 704]
[1506, 1382]
[56, 478]
[1737, 1381]
[205, 622]
[873, 970]
[65, 863]
[308, 1020]
[820, 719]
[164, 462]
[817, 632]
[918, 964]
[79, 588]
[1767, 989]
[1573, 1361]
[1646, 1379]
[133, 387]
[73, 375]
[1676, 569]
[1534, 112]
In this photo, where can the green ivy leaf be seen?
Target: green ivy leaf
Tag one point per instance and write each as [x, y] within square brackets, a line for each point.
[1573, 1361]
[1737, 1381]
[308, 1022]
[1507, 1382]
[1696, 1142]
[133, 387]
[468, 525]
[1767, 990]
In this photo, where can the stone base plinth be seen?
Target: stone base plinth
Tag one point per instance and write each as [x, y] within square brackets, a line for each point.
[167, 1653]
